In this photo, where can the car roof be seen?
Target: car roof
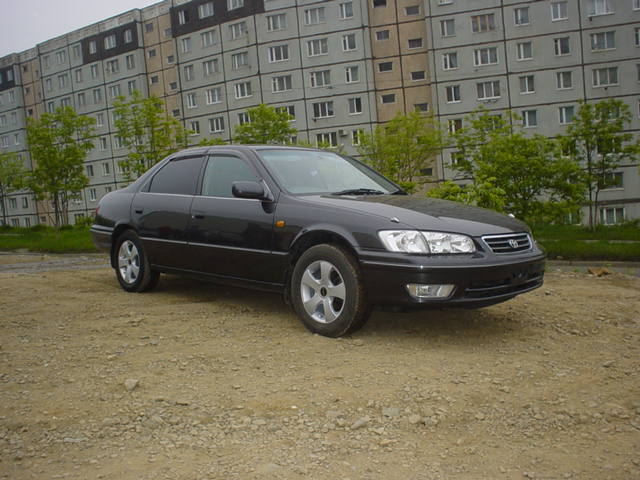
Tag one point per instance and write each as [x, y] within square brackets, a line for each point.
[215, 148]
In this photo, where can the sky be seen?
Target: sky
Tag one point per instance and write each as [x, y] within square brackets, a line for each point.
[25, 23]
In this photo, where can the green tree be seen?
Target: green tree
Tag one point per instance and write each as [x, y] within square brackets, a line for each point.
[12, 174]
[267, 126]
[207, 142]
[598, 141]
[482, 193]
[402, 147]
[537, 181]
[59, 143]
[147, 132]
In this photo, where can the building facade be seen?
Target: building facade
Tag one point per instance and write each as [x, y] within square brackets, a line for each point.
[339, 67]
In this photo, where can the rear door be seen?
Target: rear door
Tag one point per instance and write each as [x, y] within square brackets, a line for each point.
[231, 236]
[162, 212]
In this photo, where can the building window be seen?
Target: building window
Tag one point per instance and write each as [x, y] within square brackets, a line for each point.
[214, 95]
[194, 126]
[151, 53]
[485, 56]
[114, 91]
[483, 23]
[93, 49]
[128, 36]
[612, 180]
[385, 67]
[62, 81]
[564, 80]
[527, 84]
[414, 43]
[447, 27]
[313, 16]
[238, 30]
[637, 36]
[208, 38]
[636, 4]
[598, 7]
[524, 51]
[346, 10]
[319, 46]
[418, 75]
[154, 79]
[561, 46]
[279, 53]
[192, 100]
[92, 194]
[388, 98]
[233, 4]
[321, 78]
[379, 3]
[453, 125]
[453, 93]
[611, 216]
[82, 99]
[529, 118]
[113, 66]
[559, 11]
[205, 10]
[61, 57]
[328, 138]
[349, 42]
[148, 27]
[565, 114]
[521, 16]
[352, 74]
[412, 10]
[281, 83]
[216, 124]
[109, 42]
[183, 17]
[603, 40]
[323, 109]
[239, 60]
[76, 52]
[355, 106]
[277, 22]
[290, 110]
[130, 61]
[185, 44]
[89, 170]
[210, 67]
[382, 35]
[356, 136]
[99, 119]
[243, 90]
[604, 77]
[243, 117]
[188, 73]
[488, 90]
[106, 169]
[97, 96]
[449, 61]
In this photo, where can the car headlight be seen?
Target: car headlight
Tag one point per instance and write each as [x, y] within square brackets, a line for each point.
[413, 241]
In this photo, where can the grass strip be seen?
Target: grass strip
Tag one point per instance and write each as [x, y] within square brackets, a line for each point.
[74, 240]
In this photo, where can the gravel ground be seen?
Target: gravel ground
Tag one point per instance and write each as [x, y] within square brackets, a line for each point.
[196, 381]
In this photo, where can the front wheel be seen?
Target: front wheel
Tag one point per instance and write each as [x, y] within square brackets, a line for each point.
[327, 292]
[132, 267]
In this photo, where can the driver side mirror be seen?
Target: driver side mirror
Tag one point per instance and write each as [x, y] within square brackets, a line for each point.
[254, 190]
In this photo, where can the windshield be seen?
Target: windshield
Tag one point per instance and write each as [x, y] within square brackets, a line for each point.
[313, 172]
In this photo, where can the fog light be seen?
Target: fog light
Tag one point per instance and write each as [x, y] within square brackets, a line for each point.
[419, 290]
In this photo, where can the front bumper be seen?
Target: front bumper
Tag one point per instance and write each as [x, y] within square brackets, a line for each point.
[479, 279]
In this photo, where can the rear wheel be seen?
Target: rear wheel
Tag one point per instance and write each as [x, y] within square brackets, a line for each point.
[327, 292]
[132, 267]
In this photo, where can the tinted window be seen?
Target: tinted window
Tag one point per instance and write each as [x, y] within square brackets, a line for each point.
[220, 174]
[179, 176]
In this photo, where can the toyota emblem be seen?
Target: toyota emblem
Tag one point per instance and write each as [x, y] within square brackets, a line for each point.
[513, 243]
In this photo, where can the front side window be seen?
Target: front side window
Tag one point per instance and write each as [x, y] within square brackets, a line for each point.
[178, 177]
[221, 172]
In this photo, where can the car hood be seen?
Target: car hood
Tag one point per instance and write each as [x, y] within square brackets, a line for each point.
[423, 213]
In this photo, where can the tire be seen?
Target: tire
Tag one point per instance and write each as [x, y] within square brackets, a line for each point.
[327, 292]
[132, 267]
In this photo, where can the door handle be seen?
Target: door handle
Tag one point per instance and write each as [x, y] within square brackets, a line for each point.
[198, 216]
[139, 210]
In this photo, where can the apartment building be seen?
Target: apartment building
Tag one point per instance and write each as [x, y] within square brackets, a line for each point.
[339, 67]
[538, 59]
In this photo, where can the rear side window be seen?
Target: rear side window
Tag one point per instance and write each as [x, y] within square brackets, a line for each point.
[179, 176]
[220, 174]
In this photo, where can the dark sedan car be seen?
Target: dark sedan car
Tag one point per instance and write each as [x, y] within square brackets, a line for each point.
[331, 234]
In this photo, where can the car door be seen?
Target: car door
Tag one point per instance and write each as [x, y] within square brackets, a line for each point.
[232, 236]
[161, 212]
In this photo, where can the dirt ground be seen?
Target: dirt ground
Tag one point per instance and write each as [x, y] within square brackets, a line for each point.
[196, 381]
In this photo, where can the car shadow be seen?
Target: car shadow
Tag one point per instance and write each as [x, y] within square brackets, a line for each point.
[451, 326]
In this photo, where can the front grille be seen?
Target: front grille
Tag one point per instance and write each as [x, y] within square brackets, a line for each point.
[515, 242]
[505, 286]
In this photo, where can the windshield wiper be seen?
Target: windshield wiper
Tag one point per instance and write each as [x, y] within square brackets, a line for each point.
[359, 191]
